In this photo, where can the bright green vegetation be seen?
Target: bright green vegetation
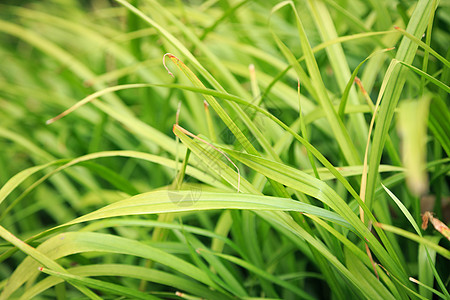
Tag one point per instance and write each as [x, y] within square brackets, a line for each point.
[282, 179]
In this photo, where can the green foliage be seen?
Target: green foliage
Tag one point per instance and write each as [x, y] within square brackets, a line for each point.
[260, 170]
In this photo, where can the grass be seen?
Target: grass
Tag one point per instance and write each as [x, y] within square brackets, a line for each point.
[259, 170]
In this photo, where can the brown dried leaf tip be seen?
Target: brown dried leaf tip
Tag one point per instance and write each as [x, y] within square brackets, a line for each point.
[437, 224]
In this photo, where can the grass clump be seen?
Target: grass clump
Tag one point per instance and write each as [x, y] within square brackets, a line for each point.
[300, 150]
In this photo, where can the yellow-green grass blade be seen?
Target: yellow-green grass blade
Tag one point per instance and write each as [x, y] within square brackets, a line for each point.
[414, 237]
[344, 98]
[169, 201]
[81, 242]
[288, 226]
[100, 285]
[355, 251]
[22, 176]
[279, 190]
[211, 265]
[341, 69]
[36, 257]
[430, 263]
[307, 184]
[342, 137]
[424, 46]
[406, 52]
[127, 271]
[368, 279]
[432, 79]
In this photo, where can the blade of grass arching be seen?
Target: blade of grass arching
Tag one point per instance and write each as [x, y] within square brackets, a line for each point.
[413, 37]
[392, 93]
[80, 242]
[428, 288]
[411, 292]
[37, 257]
[137, 126]
[20, 177]
[432, 79]
[442, 251]
[123, 222]
[252, 268]
[314, 151]
[343, 139]
[127, 271]
[15, 181]
[411, 220]
[309, 185]
[339, 64]
[61, 182]
[161, 201]
[104, 286]
[344, 98]
[180, 47]
[325, 174]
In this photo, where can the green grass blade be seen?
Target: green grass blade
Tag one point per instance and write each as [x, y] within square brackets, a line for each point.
[100, 285]
[391, 96]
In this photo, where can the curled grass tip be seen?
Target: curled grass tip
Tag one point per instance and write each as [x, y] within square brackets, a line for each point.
[170, 55]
